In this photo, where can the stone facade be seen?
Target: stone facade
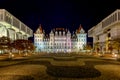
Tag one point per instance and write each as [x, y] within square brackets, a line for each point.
[59, 40]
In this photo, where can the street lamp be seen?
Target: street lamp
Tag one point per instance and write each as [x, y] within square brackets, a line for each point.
[11, 55]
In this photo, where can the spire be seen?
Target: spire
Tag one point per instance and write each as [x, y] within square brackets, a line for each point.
[51, 32]
[68, 32]
[40, 28]
[80, 26]
[79, 29]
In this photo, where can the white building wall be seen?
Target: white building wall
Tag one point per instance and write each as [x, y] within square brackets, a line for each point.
[38, 39]
[102, 38]
[109, 25]
[59, 42]
[11, 22]
[81, 41]
[51, 43]
[3, 31]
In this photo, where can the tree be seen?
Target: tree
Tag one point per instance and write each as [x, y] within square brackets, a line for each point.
[116, 44]
[18, 45]
[5, 44]
[110, 47]
[31, 47]
[96, 47]
[87, 47]
[23, 46]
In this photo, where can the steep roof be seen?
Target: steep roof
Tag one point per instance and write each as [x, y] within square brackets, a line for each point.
[74, 36]
[39, 30]
[80, 29]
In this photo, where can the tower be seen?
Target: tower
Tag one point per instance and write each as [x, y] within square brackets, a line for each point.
[82, 38]
[68, 41]
[51, 43]
[38, 39]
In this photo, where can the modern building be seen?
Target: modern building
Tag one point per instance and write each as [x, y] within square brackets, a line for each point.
[12, 27]
[106, 31]
[59, 40]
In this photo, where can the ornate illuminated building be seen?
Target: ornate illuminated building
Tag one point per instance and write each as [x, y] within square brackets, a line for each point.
[59, 40]
[13, 28]
[106, 31]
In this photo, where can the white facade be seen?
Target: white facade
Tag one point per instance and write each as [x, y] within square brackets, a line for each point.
[13, 28]
[82, 39]
[59, 40]
[108, 29]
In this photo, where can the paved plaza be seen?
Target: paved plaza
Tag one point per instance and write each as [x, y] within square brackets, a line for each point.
[59, 67]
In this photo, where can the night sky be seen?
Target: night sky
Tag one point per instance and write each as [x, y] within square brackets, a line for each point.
[60, 13]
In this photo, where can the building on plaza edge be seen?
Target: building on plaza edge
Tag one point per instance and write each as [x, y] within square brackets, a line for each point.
[105, 32]
[13, 28]
[59, 40]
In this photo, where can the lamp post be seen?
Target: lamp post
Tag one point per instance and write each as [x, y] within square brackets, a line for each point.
[10, 55]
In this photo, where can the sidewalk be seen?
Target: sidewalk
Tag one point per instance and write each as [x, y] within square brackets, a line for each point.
[106, 56]
[2, 57]
[15, 57]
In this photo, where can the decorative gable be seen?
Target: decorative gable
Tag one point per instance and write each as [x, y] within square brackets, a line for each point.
[39, 30]
[80, 30]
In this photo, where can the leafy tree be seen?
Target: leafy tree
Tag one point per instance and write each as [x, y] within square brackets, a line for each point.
[110, 47]
[23, 45]
[96, 47]
[18, 44]
[31, 47]
[5, 43]
[116, 44]
[87, 47]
